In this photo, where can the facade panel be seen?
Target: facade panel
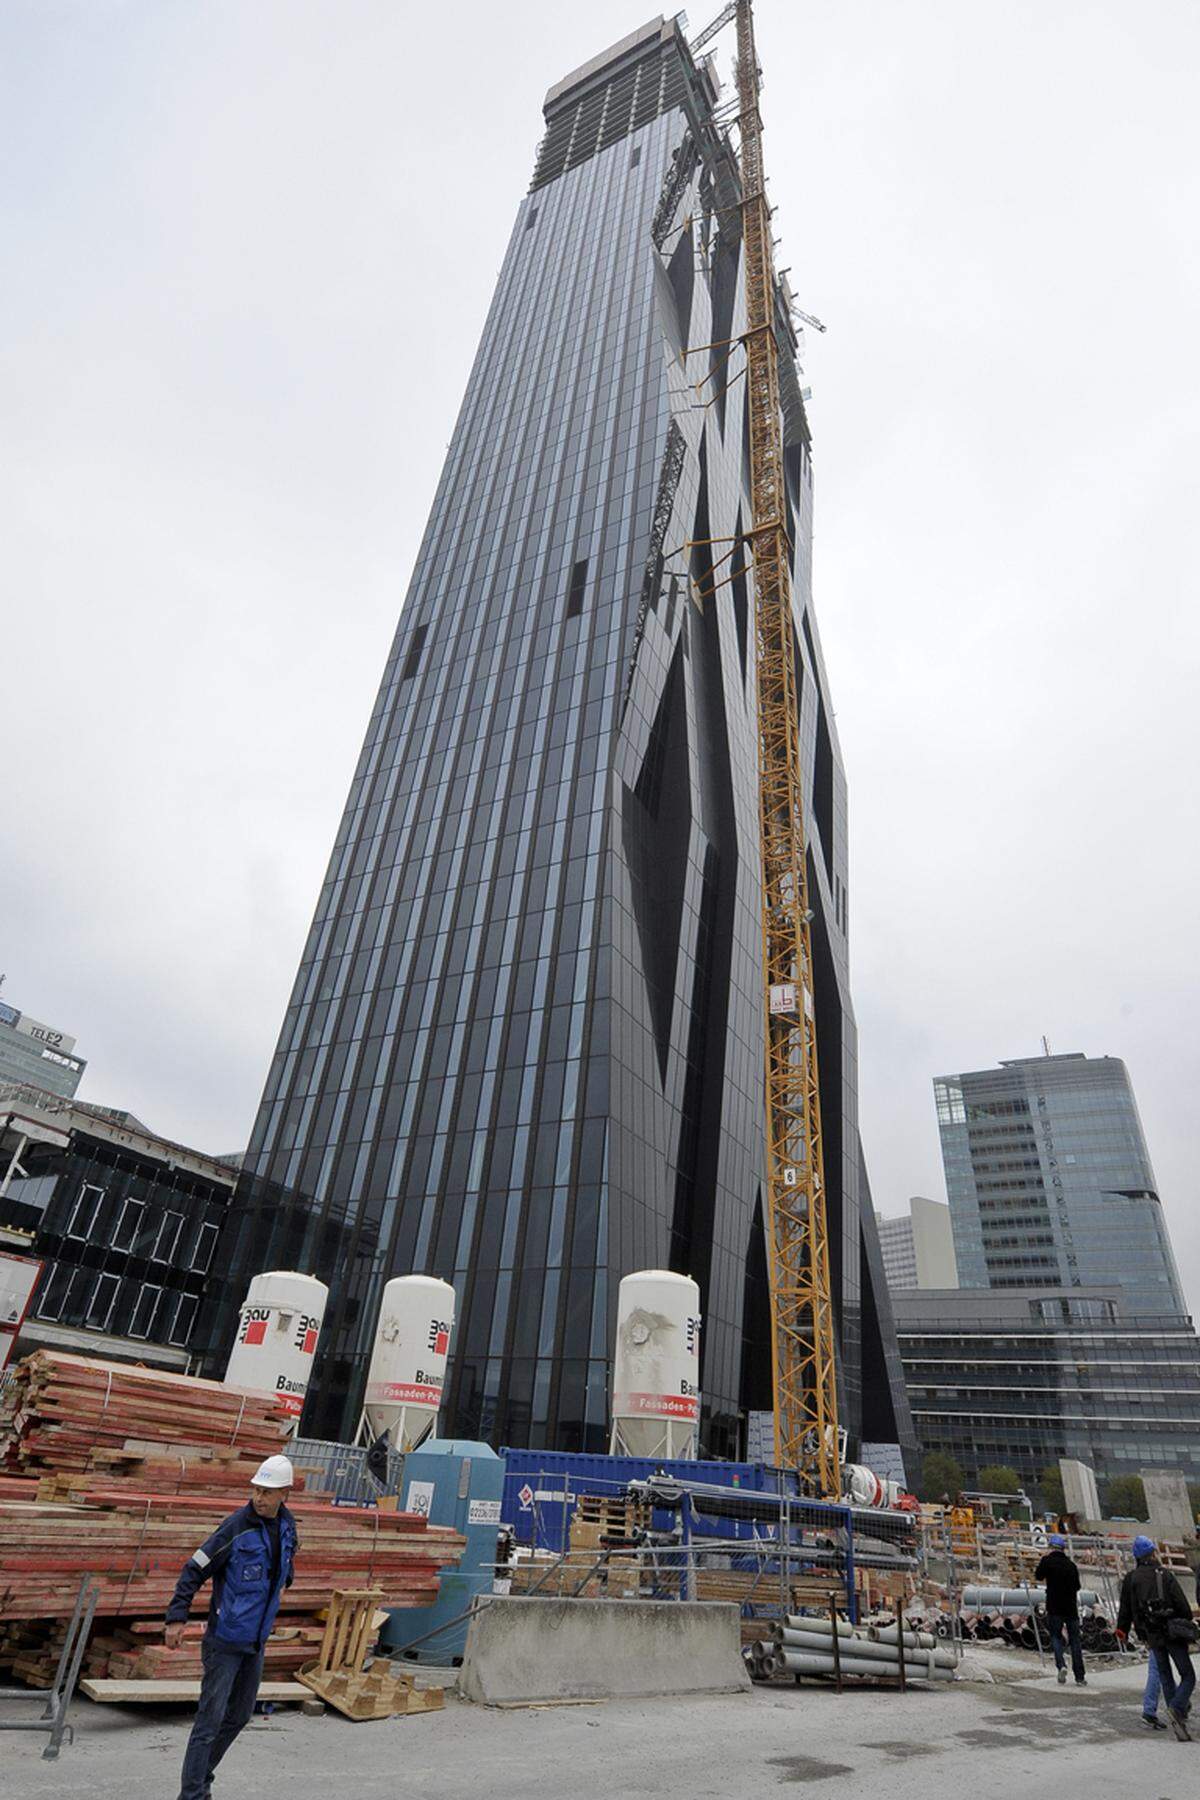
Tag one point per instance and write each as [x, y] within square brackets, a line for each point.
[524, 1048]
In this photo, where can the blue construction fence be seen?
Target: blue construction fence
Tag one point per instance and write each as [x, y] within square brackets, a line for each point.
[542, 1489]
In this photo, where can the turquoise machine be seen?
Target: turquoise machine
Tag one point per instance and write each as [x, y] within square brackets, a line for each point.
[454, 1482]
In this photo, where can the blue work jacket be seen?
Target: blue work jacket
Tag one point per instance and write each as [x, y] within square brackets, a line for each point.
[237, 1558]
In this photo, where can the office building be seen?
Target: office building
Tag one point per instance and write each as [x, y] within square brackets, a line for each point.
[918, 1246]
[1022, 1379]
[125, 1223]
[37, 1054]
[524, 1047]
[1050, 1182]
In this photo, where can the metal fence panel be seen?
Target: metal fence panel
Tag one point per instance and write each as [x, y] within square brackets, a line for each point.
[342, 1470]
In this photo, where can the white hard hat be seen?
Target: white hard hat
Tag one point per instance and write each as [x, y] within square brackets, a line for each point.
[276, 1472]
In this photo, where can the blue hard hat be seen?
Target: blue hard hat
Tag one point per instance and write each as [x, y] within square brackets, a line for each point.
[1058, 1542]
[1143, 1546]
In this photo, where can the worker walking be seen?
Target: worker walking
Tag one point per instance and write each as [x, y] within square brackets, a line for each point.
[250, 1559]
[1061, 1577]
[1153, 1604]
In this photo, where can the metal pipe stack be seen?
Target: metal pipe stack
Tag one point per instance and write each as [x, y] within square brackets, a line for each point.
[804, 1645]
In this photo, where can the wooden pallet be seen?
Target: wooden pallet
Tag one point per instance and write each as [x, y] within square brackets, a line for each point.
[338, 1675]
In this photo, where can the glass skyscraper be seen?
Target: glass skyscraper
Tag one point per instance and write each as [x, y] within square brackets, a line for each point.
[524, 1048]
[1050, 1182]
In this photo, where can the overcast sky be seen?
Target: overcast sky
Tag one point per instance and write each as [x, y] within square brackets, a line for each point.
[249, 249]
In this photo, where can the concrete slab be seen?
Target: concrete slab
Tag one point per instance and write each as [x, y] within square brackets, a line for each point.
[523, 1650]
[1079, 1488]
[1168, 1505]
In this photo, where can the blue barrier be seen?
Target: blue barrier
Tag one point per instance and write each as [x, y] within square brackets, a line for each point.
[542, 1489]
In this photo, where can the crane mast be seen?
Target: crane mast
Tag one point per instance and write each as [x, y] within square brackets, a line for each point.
[802, 1335]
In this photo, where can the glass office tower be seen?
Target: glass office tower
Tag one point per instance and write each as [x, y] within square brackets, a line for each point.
[1050, 1182]
[524, 1049]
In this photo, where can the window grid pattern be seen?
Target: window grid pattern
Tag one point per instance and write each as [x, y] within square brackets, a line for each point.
[496, 1065]
[107, 1223]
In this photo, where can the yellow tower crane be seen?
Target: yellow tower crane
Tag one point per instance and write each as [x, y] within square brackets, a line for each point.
[802, 1335]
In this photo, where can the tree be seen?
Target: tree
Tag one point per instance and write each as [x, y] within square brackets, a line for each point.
[1125, 1497]
[940, 1476]
[998, 1478]
[1050, 1486]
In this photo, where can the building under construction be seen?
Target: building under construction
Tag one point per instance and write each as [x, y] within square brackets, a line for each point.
[525, 1047]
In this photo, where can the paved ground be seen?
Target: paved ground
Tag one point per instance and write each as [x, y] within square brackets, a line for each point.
[962, 1742]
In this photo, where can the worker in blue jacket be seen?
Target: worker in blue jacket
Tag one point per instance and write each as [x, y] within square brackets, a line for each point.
[249, 1559]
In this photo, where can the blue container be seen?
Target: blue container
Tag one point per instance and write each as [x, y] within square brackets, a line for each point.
[542, 1488]
[455, 1482]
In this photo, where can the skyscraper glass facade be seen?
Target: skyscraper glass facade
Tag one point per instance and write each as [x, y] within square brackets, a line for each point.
[1050, 1182]
[524, 1048]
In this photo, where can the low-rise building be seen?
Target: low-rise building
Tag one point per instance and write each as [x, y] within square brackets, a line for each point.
[126, 1224]
[1024, 1378]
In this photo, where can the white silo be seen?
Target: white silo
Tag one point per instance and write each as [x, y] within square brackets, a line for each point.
[277, 1334]
[408, 1361]
[656, 1370]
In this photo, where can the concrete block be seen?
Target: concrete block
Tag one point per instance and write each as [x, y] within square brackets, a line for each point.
[1167, 1504]
[1079, 1488]
[522, 1649]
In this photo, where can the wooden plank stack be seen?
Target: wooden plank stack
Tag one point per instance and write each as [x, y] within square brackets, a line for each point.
[120, 1473]
[64, 1408]
[135, 1543]
[136, 1651]
[163, 1469]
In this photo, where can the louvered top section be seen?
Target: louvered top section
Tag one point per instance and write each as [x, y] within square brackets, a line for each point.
[615, 94]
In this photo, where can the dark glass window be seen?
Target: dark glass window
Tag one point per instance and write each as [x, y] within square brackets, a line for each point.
[168, 1236]
[206, 1243]
[145, 1307]
[412, 661]
[84, 1211]
[575, 591]
[100, 1307]
[54, 1291]
[127, 1225]
[185, 1318]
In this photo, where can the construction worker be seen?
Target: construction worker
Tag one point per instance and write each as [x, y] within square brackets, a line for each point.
[1153, 1603]
[1061, 1577]
[250, 1559]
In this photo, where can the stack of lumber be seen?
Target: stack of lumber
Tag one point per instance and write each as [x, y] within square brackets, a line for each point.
[135, 1543]
[162, 1469]
[64, 1408]
[30, 1650]
[119, 1473]
[136, 1652]
[17, 1487]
